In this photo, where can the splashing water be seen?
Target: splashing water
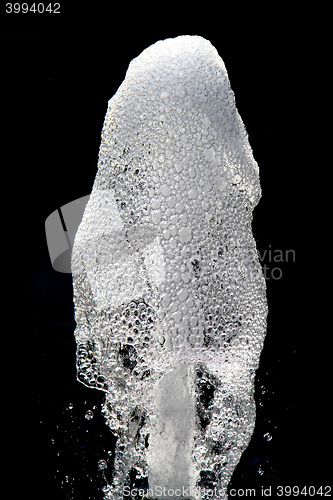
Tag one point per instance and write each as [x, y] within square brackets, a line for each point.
[170, 298]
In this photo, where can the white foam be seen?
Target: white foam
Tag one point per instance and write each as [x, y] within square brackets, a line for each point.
[168, 289]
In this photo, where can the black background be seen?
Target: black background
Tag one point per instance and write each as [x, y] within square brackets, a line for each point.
[59, 73]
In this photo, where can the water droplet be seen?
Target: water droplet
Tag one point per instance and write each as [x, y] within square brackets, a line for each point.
[102, 464]
[267, 436]
[89, 415]
[70, 406]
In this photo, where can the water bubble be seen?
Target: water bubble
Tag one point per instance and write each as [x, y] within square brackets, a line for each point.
[155, 204]
[165, 190]
[166, 300]
[89, 415]
[205, 204]
[173, 307]
[172, 202]
[186, 277]
[180, 91]
[209, 154]
[182, 295]
[156, 217]
[177, 316]
[237, 179]
[185, 234]
[179, 208]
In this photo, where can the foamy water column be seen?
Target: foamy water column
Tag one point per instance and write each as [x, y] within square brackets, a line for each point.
[170, 298]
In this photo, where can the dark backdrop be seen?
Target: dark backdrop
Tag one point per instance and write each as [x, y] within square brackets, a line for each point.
[59, 73]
